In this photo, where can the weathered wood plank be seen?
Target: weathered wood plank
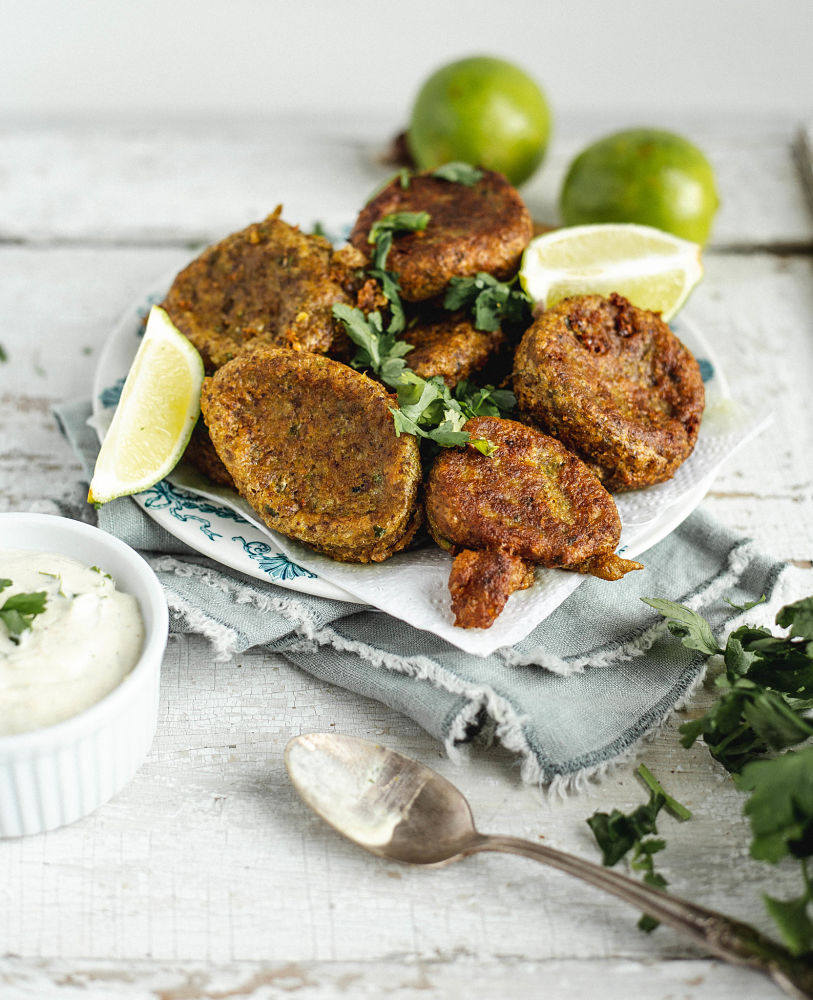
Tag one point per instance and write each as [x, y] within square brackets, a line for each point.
[435, 977]
[193, 183]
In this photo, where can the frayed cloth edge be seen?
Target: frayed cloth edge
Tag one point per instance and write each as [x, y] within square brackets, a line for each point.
[738, 559]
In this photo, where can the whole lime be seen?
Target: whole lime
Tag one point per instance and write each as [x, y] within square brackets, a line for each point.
[483, 111]
[644, 175]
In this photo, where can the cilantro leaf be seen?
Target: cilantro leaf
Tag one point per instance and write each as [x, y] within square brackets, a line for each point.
[459, 173]
[747, 605]
[619, 833]
[691, 628]
[19, 610]
[780, 807]
[793, 918]
[491, 302]
[799, 617]
[379, 352]
[383, 229]
[484, 400]
[391, 289]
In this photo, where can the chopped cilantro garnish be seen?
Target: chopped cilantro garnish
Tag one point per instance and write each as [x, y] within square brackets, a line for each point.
[491, 303]
[619, 833]
[459, 173]
[383, 229]
[426, 407]
[19, 610]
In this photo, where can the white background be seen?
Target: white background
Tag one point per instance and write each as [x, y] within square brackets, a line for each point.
[191, 57]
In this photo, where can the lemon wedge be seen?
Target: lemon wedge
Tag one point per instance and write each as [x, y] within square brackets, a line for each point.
[653, 269]
[157, 411]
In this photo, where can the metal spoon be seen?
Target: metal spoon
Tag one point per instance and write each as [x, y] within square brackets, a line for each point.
[397, 808]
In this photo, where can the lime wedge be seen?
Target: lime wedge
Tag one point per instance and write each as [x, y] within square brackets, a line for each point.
[159, 406]
[653, 269]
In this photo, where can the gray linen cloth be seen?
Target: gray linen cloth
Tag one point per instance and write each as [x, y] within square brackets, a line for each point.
[577, 695]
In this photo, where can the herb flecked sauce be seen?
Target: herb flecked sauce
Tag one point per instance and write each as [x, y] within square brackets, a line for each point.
[88, 638]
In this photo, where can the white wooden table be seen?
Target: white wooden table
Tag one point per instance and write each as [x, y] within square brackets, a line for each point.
[206, 877]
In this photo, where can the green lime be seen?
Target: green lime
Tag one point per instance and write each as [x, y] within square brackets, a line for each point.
[483, 111]
[645, 176]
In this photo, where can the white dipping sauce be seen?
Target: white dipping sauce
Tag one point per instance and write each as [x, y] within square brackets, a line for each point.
[88, 638]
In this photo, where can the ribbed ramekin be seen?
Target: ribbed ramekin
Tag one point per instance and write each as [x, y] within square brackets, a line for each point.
[52, 776]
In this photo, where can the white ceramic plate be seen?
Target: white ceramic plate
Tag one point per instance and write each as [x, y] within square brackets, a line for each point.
[208, 519]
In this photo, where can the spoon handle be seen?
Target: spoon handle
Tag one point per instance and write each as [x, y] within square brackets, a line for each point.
[729, 939]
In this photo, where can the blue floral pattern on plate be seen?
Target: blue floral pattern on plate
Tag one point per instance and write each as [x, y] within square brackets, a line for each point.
[275, 564]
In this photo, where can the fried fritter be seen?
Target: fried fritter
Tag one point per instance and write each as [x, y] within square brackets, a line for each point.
[311, 445]
[267, 285]
[482, 581]
[532, 501]
[450, 346]
[200, 452]
[482, 227]
[614, 384]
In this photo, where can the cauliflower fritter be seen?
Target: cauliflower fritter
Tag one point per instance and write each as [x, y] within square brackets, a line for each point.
[615, 385]
[310, 444]
[267, 285]
[531, 503]
[482, 227]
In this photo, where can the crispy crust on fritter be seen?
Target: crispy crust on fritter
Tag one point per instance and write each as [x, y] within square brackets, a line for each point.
[615, 385]
[532, 501]
[481, 582]
[482, 227]
[450, 347]
[267, 285]
[311, 445]
[200, 453]
[532, 498]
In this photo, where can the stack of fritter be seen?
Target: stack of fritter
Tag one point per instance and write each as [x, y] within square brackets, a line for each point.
[608, 397]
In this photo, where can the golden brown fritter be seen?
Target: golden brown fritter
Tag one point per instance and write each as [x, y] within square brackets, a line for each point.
[532, 500]
[311, 445]
[615, 385]
[482, 581]
[200, 452]
[451, 347]
[482, 227]
[267, 285]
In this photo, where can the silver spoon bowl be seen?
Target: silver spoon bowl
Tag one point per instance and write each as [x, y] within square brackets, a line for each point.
[397, 808]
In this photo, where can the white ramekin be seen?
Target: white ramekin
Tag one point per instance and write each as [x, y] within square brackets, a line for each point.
[55, 775]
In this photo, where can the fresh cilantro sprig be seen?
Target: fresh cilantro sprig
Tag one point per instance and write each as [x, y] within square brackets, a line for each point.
[458, 172]
[384, 229]
[19, 610]
[490, 302]
[780, 810]
[763, 707]
[426, 407]
[617, 834]
[381, 236]
[764, 691]
[380, 351]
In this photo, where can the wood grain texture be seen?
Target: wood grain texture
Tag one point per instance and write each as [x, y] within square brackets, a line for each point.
[206, 877]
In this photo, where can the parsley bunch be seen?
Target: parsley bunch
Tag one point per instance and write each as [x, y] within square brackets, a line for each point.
[19, 610]
[765, 690]
[765, 694]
